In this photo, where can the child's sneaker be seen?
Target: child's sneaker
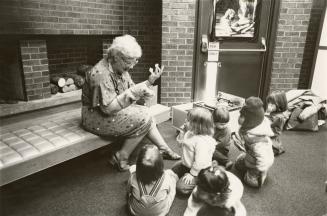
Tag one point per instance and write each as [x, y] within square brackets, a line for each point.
[278, 152]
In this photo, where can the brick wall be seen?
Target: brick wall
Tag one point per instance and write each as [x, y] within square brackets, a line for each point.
[178, 25]
[61, 16]
[295, 43]
[294, 48]
[102, 18]
[65, 56]
[35, 66]
[105, 45]
[142, 19]
[66, 53]
[292, 61]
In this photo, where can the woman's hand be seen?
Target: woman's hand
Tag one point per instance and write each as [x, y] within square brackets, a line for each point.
[155, 74]
[188, 178]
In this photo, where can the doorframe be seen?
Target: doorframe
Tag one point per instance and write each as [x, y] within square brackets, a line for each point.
[197, 46]
[317, 46]
[267, 62]
[271, 39]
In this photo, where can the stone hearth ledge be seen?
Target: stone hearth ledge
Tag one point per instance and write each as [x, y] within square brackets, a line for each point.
[26, 106]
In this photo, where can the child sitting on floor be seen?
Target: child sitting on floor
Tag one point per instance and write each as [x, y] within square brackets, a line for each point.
[151, 189]
[197, 147]
[222, 135]
[217, 191]
[276, 106]
[254, 135]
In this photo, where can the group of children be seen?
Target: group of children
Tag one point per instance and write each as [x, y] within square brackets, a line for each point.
[203, 171]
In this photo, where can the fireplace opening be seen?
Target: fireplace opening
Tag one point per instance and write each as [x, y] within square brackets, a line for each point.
[28, 61]
[66, 55]
[11, 74]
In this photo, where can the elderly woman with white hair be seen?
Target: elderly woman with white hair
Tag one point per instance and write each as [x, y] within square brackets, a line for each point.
[109, 107]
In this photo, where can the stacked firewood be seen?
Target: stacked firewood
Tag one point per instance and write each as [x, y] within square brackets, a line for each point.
[69, 82]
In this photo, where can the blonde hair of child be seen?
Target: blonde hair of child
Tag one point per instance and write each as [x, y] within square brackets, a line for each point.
[200, 121]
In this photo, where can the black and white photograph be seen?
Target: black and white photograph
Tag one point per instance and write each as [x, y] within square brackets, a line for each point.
[163, 108]
[236, 18]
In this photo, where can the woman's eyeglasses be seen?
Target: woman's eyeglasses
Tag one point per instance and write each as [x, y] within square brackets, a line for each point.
[130, 61]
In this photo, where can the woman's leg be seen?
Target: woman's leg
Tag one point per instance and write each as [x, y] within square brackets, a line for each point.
[156, 138]
[129, 145]
[120, 158]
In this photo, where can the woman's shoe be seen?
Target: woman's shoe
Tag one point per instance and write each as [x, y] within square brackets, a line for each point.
[119, 163]
[170, 155]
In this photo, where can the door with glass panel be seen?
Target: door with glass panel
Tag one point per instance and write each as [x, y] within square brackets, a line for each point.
[231, 47]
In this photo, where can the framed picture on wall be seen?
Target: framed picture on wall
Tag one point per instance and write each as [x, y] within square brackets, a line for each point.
[236, 19]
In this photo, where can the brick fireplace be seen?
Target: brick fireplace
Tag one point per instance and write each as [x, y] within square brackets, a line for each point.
[56, 55]
[55, 37]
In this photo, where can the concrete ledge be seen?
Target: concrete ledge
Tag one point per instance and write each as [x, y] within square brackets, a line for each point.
[160, 113]
[20, 170]
[25, 106]
[87, 142]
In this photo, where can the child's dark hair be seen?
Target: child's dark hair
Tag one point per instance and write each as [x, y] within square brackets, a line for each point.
[201, 122]
[213, 180]
[221, 114]
[279, 99]
[149, 168]
[208, 210]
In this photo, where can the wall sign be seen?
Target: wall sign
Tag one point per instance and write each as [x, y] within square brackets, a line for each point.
[213, 53]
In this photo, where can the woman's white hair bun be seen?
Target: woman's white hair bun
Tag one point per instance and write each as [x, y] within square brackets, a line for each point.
[127, 45]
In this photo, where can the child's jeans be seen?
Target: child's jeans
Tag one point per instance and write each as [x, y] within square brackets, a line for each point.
[252, 177]
[180, 171]
[220, 157]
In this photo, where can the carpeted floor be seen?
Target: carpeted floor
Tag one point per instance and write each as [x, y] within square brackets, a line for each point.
[87, 185]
